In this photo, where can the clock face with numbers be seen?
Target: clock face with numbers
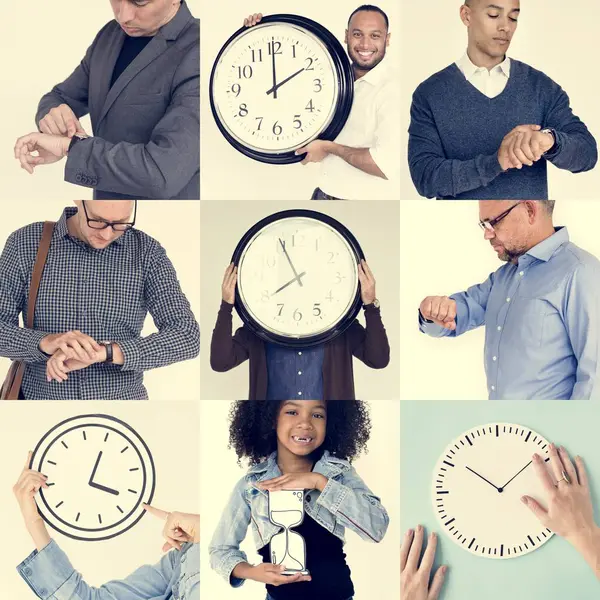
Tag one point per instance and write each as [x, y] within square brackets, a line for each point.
[99, 471]
[279, 85]
[298, 278]
[477, 487]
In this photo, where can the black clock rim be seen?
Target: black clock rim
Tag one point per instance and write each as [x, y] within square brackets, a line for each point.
[150, 497]
[317, 339]
[344, 73]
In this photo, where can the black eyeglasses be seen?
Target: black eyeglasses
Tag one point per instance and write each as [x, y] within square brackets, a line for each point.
[116, 225]
[489, 225]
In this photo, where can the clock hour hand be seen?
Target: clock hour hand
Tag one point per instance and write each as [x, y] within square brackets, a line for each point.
[298, 279]
[274, 89]
[296, 276]
[103, 488]
[478, 475]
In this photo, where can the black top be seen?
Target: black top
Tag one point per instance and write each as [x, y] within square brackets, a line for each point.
[132, 46]
[326, 562]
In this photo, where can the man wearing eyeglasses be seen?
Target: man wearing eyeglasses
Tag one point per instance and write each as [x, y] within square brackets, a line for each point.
[540, 310]
[486, 126]
[101, 279]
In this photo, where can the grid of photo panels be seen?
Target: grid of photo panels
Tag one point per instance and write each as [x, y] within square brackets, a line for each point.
[343, 255]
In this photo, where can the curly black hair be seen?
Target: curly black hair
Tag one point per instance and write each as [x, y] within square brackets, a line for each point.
[252, 428]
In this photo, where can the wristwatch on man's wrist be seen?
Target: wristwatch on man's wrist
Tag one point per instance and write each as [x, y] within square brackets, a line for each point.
[553, 134]
[76, 138]
[375, 303]
[109, 351]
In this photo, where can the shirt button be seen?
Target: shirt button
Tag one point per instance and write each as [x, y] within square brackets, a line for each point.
[493, 388]
[28, 571]
[43, 592]
[299, 372]
[299, 393]
[308, 498]
[494, 357]
[499, 328]
[521, 273]
[508, 299]
[299, 353]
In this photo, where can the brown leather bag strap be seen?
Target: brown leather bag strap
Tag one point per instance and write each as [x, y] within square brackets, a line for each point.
[38, 269]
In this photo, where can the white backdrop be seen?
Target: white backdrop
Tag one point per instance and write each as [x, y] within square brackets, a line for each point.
[442, 251]
[375, 567]
[559, 42]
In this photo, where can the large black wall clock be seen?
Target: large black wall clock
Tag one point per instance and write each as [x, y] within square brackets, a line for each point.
[279, 85]
[100, 471]
[298, 278]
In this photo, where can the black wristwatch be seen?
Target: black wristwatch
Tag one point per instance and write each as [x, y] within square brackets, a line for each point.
[109, 351]
[76, 138]
[375, 303]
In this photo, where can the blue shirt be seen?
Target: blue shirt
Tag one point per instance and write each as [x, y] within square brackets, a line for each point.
[542, 319]
[294, 373]
[176, 576]
[455, 133]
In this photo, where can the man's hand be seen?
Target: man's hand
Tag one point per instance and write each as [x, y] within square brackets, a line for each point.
[179, 527]
[523, 145]
[441, 310]
[367, 283]
[84, 347]
[61, 363]
[414, 579]
[271, 574]
[229, 282]
[50, 149]
[253, 20]
[294, 481]
[316, 151]
[61, 120]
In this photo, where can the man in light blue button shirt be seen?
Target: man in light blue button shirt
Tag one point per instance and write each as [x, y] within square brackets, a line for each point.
[540, 310]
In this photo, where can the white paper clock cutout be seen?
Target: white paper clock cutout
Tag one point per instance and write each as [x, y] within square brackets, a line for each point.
[477, 487]
[100, 471]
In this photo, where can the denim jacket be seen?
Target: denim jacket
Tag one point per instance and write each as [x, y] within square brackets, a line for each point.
[344, 502]
[176, 576]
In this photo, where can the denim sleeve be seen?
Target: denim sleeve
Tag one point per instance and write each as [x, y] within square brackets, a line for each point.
[582, 314]
[224, 547]
[354, 505]
[51, 576]
[432, 173]
[189, 581]
[575, 148]
[470, 311]
[178, 336]
[16, 343]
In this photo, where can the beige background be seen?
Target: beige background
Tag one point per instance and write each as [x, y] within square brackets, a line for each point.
[176, 225]
[99, 562]
[374, 567]
[41, 43]
[442, 251]
[374, 224]
[225, 173]
[559, 41]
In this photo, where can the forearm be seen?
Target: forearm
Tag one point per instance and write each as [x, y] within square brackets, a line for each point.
[588, 545]
[39, 534]
[242, 570]
[225, 351]
[373, 348]
[359, 158]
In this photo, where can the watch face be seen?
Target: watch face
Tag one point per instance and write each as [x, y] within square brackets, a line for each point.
[298, 277]
[279, 85]
[99, 473]
[477, 487]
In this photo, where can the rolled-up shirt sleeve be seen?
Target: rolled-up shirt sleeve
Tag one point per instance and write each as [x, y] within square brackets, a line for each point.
[386, 150]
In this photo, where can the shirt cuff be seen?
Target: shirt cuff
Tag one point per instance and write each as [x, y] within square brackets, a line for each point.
[555, 150]
[226, 307]
[49, 573]
[36, 355]
[190, 570]
[491, 168]
[332, 496]
[131, 355]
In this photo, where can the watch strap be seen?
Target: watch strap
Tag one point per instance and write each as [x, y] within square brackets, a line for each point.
[109, 352]
[76, 138]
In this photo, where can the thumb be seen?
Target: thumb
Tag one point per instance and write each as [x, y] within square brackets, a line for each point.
[301, 151]
[29, 455]
[536, 508]
[451, 325]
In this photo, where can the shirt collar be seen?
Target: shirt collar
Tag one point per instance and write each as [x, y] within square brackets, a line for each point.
[63, 231]
[546, 249]
[469, 69]
[377, 75]
[326, 465]
[175, 26]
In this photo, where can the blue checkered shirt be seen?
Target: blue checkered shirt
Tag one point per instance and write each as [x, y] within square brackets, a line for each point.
[105, 294]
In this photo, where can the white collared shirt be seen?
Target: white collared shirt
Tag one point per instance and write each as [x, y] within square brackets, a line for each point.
[374, 123]
[490, 83]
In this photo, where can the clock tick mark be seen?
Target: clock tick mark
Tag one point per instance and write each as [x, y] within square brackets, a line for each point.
[126, 447]
[450, 521]
[120, 509]
[50, 462]
[528, 436]
[132, 491]
[100, 518]
[84, 436]
[77, 517]
[106, 437]
[448, 463]
[62, 442]
[59, 504]
[501, 549]
[529, 538]
[472, 542]
[49, 484]
[135, 469]
[468, 440]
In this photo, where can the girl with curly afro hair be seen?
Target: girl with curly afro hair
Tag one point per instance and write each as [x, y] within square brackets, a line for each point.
[298, 445]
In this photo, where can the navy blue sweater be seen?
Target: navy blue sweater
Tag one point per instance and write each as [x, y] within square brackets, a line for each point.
[456, 131]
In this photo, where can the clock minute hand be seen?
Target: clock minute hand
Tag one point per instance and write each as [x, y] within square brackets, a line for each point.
[296, 276]
[517, 474]
[478, 475]
[274, 89]
[95, 468]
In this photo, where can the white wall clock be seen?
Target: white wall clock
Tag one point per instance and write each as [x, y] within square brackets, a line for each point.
[477, 487]
[99, 470]
[278, 85]
[298, 278]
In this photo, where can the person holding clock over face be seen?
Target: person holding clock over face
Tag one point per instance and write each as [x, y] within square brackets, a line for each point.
[49, 573]
[292, 445]
[363, 161]
[322, 372]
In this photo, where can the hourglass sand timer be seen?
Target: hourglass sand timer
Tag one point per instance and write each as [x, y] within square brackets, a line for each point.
[286, 509]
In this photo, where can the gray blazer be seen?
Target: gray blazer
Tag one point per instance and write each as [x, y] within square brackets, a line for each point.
[146, 127]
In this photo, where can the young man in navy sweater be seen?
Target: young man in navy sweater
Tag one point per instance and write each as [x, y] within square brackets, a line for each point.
[486, 126]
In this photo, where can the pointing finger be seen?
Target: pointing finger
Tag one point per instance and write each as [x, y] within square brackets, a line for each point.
[157, 512]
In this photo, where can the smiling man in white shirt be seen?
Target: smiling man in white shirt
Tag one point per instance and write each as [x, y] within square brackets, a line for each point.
[363, 161]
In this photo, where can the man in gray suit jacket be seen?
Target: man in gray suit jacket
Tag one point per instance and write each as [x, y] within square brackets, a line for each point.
[140, 83]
